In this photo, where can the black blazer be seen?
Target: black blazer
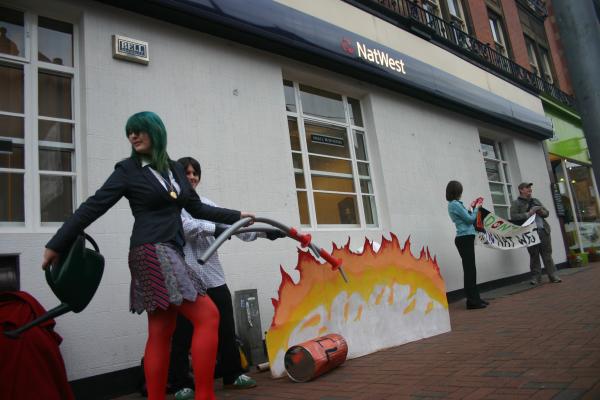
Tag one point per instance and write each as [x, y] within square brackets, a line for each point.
[157, 215]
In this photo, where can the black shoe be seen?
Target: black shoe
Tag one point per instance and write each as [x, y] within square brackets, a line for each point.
[487, 303]
[475, 306]
[555, 279]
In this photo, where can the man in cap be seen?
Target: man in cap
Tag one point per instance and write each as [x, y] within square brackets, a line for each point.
[521, 209]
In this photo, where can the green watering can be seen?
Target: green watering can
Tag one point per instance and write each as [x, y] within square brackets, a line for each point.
[74, 281]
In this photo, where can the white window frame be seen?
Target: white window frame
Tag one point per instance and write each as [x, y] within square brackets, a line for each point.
[505, 181]
[533, 61]
[459, 17]
[300, 118]
[498, 33]
[31, 145]
[547, 70]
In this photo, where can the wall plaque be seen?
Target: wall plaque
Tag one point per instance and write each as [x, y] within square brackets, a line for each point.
[129, 49]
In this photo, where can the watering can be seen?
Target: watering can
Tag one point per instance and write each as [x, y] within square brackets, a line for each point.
[73, 280]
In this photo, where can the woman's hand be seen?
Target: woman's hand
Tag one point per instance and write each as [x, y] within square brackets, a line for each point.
[245, 214]
[50, 257]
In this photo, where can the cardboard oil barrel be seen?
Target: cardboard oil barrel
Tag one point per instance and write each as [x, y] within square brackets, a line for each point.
[312, 358]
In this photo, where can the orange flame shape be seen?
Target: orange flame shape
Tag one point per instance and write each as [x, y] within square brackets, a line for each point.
[374, 279]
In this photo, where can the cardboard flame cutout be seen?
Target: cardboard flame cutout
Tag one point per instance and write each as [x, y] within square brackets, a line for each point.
[392, 298]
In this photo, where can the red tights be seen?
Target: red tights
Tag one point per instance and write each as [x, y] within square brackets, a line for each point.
[203, 314]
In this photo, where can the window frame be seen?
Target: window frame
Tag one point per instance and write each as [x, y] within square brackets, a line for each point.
[461, 18]
[307, 172]
[498, 32]
[547, 72]
[532, 53]
[504, 170]
[31, 143]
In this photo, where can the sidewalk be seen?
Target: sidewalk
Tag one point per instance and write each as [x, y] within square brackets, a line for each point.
[530, 343]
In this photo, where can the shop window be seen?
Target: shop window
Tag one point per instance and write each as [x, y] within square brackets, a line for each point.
[496, 26]
[581, 182]
[498, 176]
[37, 120]
[330, 159]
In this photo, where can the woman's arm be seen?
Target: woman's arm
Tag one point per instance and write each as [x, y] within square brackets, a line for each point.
[90, 210]
[461, 213]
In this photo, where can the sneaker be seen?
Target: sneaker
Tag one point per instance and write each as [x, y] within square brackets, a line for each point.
[535, 281]
[555, 279]
[185, 394]
[242, 382]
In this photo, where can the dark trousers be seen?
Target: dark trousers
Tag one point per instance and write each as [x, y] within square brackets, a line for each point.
[466, 249]
[544, 249]
[229, 363]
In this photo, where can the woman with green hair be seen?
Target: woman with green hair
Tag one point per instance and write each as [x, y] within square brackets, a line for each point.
[162, 284]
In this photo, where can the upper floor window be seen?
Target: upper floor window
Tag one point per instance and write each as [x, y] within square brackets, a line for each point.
[37, 119]
[539, 60]
[498, 176]
[332, 169]
[547, 69]
[531, 54]
[497, 29]
[457, 14]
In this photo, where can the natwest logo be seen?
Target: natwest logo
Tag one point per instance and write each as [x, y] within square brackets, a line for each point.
[347, 46]
[378, 57]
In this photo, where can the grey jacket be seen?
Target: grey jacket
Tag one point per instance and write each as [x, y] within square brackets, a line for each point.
[520, 207]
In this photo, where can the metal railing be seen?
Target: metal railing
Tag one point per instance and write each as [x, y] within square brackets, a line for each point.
[451, 34]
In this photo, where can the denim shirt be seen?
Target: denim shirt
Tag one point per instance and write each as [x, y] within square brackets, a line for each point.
[462, 218]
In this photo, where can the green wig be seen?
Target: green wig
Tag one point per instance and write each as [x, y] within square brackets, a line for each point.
[149, 122]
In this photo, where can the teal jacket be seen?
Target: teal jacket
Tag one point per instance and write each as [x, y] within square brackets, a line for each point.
[462, 218]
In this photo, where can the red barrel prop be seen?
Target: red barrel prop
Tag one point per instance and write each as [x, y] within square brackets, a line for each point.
[310, 359]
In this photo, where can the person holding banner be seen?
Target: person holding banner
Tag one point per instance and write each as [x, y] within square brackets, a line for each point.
[465, 241]
[522, 208]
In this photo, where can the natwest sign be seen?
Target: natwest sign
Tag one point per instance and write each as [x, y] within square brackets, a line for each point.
[375, 56]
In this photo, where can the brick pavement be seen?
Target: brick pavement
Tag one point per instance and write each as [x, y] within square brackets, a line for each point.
[542, 343]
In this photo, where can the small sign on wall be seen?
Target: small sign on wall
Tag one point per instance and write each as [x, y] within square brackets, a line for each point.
[130, 49]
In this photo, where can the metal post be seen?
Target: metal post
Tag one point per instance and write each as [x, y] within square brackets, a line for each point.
[579, 25]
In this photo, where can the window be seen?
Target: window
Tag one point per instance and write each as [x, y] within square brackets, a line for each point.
[531, 54]
[547, 71]
[433, 10]
[329, 154]
[498, 176]
[498, 33]
[37, 119]
[457, 15]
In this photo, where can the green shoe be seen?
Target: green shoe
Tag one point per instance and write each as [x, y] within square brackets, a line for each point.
[242, 382]
[185, 394]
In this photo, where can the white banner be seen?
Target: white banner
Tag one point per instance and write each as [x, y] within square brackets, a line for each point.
[504, 235]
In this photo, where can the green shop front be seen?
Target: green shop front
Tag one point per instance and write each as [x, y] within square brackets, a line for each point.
[575, 185]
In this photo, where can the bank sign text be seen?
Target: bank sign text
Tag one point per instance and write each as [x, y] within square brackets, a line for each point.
[380, 57]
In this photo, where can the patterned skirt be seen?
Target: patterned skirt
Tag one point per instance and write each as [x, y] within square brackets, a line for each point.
[161, 277]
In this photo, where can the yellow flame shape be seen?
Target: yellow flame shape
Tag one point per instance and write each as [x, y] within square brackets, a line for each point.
[367, 272]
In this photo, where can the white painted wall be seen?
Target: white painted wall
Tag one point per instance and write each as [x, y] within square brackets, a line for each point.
[223, 104]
